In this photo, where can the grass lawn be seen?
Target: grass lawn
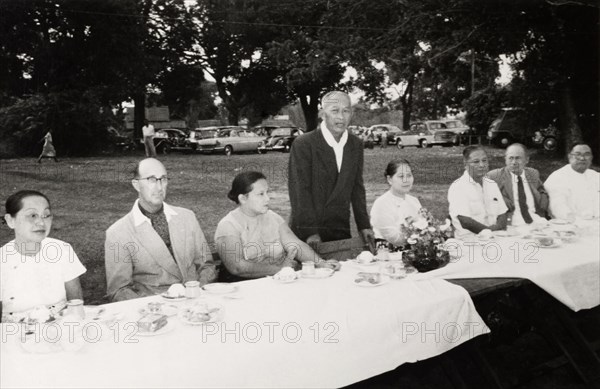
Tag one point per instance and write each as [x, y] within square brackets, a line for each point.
[89, 194]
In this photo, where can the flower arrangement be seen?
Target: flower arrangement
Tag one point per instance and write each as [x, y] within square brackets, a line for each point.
[425, 237]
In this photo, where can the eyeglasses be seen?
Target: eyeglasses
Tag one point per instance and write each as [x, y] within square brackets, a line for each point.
[154, 180]
[581, 155]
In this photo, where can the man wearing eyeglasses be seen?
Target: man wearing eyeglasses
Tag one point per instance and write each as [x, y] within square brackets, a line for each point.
[521, 188]
[156, 244]
[574, 189]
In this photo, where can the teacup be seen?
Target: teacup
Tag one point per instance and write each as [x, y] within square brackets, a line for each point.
[544, 240]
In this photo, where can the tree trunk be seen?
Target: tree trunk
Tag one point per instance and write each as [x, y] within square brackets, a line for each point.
[569, 126]
[233, 115]
[406, 101]
[139, 114]
[310, 110]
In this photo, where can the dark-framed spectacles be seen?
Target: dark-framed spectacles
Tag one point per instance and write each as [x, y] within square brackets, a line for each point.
[154, 180]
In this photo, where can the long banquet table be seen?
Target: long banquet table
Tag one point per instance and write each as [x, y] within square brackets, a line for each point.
[569, 272]
[310, 333]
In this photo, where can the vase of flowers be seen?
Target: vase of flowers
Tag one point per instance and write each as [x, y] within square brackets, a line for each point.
[425, 237]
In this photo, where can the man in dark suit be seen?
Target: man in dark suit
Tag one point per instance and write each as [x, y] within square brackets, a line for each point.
[325, 178]
[156, 244]
[521, 187]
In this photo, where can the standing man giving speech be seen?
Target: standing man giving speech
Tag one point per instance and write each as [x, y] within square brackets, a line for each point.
[325, 178]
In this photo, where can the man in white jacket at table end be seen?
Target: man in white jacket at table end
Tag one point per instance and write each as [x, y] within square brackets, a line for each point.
[574, 189]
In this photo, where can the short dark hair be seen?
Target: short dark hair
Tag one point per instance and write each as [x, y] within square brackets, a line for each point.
[392, 166]
[470, 150]
[578, 144]
[14, 202]
[242, 184]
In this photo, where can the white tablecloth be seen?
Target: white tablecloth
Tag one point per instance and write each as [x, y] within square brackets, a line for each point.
[570, 272]
[310, 333]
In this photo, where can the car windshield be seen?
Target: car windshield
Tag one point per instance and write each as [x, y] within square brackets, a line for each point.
[282, 132]
[452, 124]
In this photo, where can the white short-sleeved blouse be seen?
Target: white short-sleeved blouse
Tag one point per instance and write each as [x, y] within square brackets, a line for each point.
[389, 212]
[30, 281]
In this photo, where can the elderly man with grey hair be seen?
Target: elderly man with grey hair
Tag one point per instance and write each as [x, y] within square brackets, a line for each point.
[521, 188]
[326, 177]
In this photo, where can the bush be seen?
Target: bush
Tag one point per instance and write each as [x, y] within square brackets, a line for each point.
[77, 124]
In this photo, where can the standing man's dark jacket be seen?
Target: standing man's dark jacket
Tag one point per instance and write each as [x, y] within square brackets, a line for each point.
[319, 195]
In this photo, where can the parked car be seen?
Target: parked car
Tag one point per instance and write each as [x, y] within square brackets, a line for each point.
[170, 139]
[380, 131]
[364, 134]
[120, 141]
[546, 138]
[426, 134]
[513, 125]
[415, 136]
[203, 133]
[280, 139]
[458, 127]
[230, 140]
[264, 130]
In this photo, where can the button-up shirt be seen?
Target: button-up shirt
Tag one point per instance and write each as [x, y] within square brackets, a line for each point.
[573, 194]
[482, 203]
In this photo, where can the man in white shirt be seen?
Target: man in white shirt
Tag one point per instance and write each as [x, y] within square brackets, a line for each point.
[148, 132]
[574, 189]
[521, 188]
[325, 178]
[476, 203]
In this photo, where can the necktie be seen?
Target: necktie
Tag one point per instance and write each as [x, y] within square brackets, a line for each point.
[523, 201]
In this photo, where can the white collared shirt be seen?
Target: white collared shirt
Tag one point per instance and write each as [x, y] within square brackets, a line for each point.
[573, 194]
[517, 217]
[389, 212]
[148, 130]
[483, 203]
[139, 217]
[338, 147]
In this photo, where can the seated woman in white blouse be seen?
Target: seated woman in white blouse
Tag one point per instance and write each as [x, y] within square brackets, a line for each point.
[253, 241]
[35, 270]
[392, 208]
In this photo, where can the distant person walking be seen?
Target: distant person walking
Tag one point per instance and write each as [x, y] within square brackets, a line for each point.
[48, 150]
[148, 132]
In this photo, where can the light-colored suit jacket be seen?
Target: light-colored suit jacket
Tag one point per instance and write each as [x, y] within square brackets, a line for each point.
[138, 262]
[503, 179]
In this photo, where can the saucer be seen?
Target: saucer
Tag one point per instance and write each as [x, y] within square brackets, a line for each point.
[167, 297]
[321, 272]
[220, 288]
